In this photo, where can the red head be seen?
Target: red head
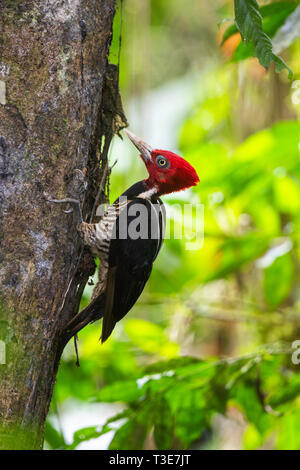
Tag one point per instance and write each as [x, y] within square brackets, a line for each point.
[167, 171]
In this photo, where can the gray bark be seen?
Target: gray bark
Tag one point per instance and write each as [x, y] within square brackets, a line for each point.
[55, 109]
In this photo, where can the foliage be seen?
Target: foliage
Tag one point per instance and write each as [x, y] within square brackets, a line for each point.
[176, 400]
[256, 26]
[210, 338]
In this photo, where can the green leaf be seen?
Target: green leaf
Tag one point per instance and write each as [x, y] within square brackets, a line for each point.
[280, 65]
[278, 280]
[288, 32]
[287, 194]
[288, 437]
[54, 438]
[150, 338]
[287, 394]
[172, 364]
[125, 391]
[230, 31]
[249, 22]
[252, 439]
[130, 436]
[274, 15]
[236, 251]
[191, 412]
[246, 396]
[85, 434]
[163, 424]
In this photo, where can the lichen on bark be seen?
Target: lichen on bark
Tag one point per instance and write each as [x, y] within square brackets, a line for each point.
[53, 115]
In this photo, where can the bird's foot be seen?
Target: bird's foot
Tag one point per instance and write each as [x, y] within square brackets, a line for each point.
[73, 202]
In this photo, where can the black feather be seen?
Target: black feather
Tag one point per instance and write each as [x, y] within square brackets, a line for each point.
[132, 259]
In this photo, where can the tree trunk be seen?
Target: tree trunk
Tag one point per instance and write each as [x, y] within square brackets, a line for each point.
[55, 109]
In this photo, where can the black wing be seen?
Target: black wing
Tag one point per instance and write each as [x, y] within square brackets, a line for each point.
[135, 245]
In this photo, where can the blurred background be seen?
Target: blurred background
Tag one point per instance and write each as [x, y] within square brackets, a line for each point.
[204, 358]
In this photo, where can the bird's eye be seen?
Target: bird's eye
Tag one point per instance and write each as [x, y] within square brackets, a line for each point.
[162, 161]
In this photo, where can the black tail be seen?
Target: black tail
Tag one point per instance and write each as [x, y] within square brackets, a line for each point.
[94, 311]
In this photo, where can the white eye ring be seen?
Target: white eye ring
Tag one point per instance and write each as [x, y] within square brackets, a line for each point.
[162, 162]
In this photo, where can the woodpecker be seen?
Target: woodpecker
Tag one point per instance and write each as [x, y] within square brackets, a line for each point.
[126, 243]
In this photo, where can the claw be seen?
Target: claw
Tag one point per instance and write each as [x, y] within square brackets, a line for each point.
[62, 201]
[68, 200]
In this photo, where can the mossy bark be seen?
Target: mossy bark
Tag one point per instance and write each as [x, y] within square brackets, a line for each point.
[53, 63]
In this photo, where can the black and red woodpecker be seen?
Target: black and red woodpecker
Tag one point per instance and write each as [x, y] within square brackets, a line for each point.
[129, 236]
